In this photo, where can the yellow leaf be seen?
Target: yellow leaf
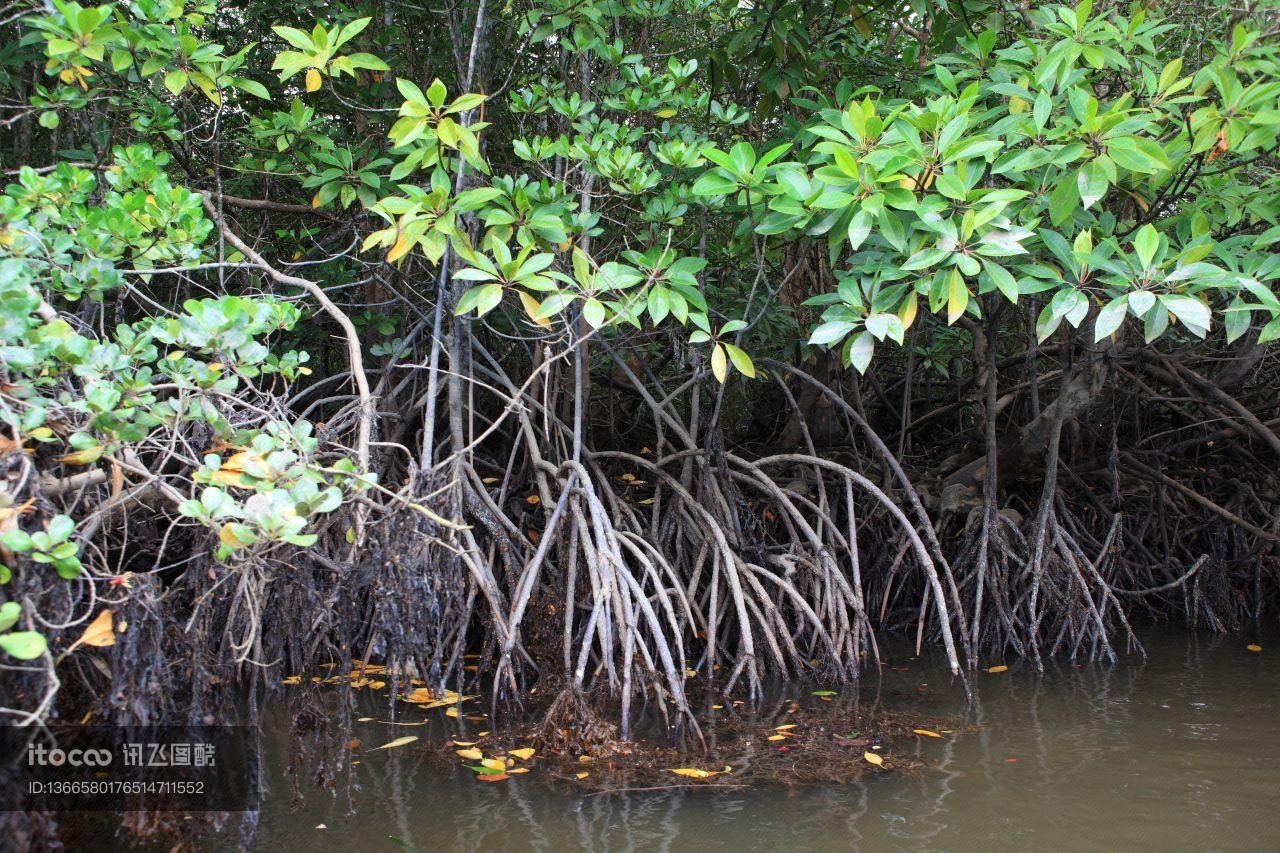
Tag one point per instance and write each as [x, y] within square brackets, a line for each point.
[227, 537]
[100, 632]
[926, 733]
[489, 481]
[531, 307]
[777, 737]
[399, 248]
[860, 22]
[494, 763]
[1254, 647]
[518, 770]
[451, 711]
[666, 112]
[82, 457]
[293, 679]
[400, 741]
[464, 743]
[872, 758]
[907, 310]
[523, 754]
[313, 79]
[470, 754]
[719, 363]
[995, 669]
[693, 772]
[784, 728]
[581, 775]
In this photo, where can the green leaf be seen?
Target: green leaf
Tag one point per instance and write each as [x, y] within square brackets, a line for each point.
[859, 350]
[10, 611]
[1145, 243]
[1110, 318]
[1002, 279]
[741, 361]
[1191, 312]
[23, 645]
[1063, 200]
[831, 332]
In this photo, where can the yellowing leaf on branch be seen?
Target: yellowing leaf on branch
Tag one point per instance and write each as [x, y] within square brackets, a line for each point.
[531, 307]
[399, 248]
[313, 79]
[719, 363]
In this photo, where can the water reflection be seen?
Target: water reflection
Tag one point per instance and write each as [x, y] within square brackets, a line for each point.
[1174, 753]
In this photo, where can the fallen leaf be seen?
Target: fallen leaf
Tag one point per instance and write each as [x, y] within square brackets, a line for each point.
[100, 632]
[926, 733]
[693, 772]
[523, 754]
[518, 770]
[533, 500]
[471, 754]
[494, 764]
[872, 758]
[995, 669]
[1254, 647]
[321, 826]
[493, 777]
[784, 728]
[400, 741]
[364, 720]
[451, 711]
[464, 743]
[581, 775]
[1010, 760]
[777, 737]
[823, 693]
[292, 679]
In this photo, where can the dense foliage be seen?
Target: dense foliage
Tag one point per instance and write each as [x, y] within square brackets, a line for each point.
[618, 342]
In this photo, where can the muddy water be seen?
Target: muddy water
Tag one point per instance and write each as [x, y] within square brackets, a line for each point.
[1177, 752]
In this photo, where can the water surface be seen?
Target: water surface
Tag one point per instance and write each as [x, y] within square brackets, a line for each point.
[1177, 752]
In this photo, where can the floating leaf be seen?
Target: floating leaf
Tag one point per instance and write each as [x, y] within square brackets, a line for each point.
[400, 741]
[292, 679]
[470, 754]
[823, 693]
[496, 764]
[693, 772]
[1254, 647]
[995, 669]
[926, 733]
[518, 770]
[784, 728]
[493, 777]
[872, 758]
[464, 743]
[523, 754]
